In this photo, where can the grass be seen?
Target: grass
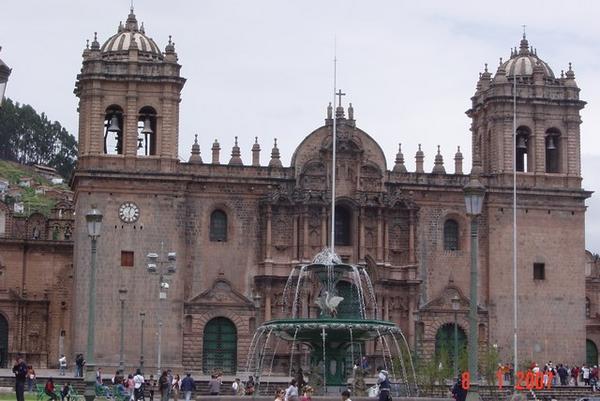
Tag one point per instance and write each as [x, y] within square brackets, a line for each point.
[12, 397]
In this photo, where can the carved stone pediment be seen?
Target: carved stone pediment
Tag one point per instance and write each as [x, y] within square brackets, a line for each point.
[221, 293]
[444, 301]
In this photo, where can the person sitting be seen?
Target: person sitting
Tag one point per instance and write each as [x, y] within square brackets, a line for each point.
[49, 389]
[65, 392]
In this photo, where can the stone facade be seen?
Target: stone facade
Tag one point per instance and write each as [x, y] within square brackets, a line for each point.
[36, 285]
[409, 229]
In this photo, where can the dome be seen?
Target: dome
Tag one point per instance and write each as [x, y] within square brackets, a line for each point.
[131, 36]
[524, 61]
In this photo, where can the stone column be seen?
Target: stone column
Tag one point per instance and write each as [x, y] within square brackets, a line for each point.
[306, 245]
[268, 245]
[386, 308]
[295, 244]
[361, 254]
[323, 227]
[411, 237]
[411, 318]
[386, 242]
[379, 236]
[267, 303]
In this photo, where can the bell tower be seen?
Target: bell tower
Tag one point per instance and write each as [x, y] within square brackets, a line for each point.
[129, 94]
[547, 116]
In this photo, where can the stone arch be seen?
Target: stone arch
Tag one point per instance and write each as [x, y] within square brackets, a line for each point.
[444, 339]
[524, 149]
[114, 126]
[553, 144]
[147, 134]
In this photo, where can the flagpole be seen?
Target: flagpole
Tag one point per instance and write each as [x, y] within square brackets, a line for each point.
[334, 137]
[515, 322]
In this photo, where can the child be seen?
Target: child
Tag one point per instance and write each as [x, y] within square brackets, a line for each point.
[346, 395]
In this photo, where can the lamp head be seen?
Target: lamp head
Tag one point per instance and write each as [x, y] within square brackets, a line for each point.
[93, 219]
[474, 195]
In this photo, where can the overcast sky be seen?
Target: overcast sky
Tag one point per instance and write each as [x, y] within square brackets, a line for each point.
[264, 68]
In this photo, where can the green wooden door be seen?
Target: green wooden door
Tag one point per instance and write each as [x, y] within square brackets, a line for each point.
[444, 341]
[219, 350]
[591, 353]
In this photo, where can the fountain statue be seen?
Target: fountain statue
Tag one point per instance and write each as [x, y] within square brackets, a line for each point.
[328, 335]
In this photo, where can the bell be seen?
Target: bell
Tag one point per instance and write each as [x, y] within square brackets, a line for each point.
[521, 145]
[550, 145]
[114, 124]
[147, 127]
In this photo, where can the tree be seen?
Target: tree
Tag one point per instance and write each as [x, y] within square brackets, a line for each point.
[28, 137]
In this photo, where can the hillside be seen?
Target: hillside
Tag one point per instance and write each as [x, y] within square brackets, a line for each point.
[29, 189]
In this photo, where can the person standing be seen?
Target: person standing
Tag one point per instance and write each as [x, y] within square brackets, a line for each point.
[586, 375]
[163, 386]
[151, 383]
[175, 387]
[20, 371]
[346, 395]
[458, 391]
[79, 362]
[62, 364]
[214, 385]
[308, 392]
[30, 378]
[187, 386]
[291, 394]
[384, 385]
[235, 386]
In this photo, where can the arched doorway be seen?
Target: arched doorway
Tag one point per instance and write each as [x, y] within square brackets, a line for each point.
[219, 350]
[444, 341]
[591, 353]
[3, 342]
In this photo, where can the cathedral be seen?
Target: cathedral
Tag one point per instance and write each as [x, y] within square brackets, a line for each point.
[227, 232]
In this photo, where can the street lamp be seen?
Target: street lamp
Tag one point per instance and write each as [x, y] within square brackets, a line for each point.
[474, 194]
[4, 74]
[142, 317]
[162, 267]
[93, 219]
[455, 306]
[122, 298]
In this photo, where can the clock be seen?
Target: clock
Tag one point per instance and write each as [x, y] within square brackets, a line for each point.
[129, 212]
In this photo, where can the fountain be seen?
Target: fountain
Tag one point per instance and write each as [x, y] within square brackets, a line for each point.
[329, 334]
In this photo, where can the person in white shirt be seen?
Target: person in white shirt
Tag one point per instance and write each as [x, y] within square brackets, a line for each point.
[235, 386]
[62, 363]
[291, 394]
[138, 385]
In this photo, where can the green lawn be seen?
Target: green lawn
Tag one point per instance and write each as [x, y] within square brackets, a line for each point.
[12, 397]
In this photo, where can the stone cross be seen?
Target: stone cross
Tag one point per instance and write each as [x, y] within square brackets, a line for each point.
[339, 94]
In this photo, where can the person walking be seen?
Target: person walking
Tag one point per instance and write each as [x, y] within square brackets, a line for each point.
[187, 386]
[585, 371]
[138, 385]
[346, 395]
[151, 383]
[279, 394]
[249, 390]
[20, 372]
[163, 386]
[308, 392]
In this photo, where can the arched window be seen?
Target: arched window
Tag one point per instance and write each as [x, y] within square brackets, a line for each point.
[218, 226]
[522, 151]
[343, 235]
[591, 353]
[451, 235]
[146, 132]
[219, 350]
[444, 343]
[588, 307]
[552, 147]
[113, 130]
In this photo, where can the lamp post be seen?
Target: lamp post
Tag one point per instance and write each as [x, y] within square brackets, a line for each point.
[455, 306]
[93, 219]
[474, 194]
[4, 74]
[161, 267]
[122, 298]
[142, 317]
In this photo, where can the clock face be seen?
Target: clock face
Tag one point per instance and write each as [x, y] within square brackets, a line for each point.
[129, 212]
